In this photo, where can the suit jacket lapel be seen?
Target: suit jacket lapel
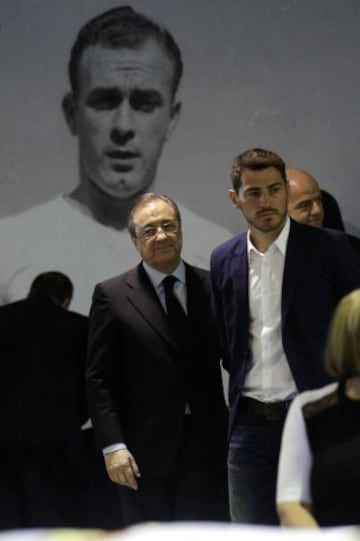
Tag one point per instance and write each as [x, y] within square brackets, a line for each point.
[240, 278]
[196, 303]
[194, 292]
[294, 262]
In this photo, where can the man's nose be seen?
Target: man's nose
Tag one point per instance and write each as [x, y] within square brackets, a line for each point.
[123, 124]
[264, 198]
[160, 233]
[316, 207]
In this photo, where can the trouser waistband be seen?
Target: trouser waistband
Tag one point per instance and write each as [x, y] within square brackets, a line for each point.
[273, 411]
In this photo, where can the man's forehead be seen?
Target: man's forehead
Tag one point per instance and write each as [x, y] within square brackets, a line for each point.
[304, 189]
[147, 63]
[261, 177]
[154, 210]
[307, 195]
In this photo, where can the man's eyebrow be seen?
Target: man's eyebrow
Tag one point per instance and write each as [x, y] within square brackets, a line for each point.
[302, 202]
[276, 183]
[101, 90]
[136, 93]
[147, 93]
[148, 90]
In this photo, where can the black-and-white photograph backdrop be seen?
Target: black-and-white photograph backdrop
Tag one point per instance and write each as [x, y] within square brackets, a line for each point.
[279, 74]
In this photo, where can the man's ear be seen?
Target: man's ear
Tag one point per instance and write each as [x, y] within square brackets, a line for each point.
[234, 198]
[175, 113]
[135, 241]
[69, 111]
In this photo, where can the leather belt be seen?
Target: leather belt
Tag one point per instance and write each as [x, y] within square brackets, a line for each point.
[272, 411]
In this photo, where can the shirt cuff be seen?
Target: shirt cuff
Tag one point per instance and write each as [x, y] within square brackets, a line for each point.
[113, 447]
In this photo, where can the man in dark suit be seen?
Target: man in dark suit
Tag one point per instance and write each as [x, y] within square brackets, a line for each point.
[154, 381]
[42, 407]
[307, 204]
[274, 291]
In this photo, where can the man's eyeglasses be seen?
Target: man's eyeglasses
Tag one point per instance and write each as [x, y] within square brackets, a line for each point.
[151, 231]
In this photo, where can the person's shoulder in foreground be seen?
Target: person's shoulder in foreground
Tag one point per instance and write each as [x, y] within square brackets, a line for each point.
[320, 437]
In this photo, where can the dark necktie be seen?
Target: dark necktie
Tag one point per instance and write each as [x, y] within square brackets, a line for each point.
[176, 316]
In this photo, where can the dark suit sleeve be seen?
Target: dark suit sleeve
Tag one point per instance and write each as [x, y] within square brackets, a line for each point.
[101, 373]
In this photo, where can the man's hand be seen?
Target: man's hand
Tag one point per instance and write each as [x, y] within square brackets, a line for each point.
[122, 468]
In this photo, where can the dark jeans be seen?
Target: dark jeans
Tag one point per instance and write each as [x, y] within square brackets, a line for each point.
[252, 468]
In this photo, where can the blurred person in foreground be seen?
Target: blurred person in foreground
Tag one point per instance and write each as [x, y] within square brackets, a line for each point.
[319, 470]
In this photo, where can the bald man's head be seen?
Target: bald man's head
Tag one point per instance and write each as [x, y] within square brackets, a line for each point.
[304, 202]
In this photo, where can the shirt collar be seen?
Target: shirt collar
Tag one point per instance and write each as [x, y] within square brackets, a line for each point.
[280, 242]
[156, 277]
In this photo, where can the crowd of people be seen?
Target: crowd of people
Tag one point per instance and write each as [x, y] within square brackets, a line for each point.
[122, 417]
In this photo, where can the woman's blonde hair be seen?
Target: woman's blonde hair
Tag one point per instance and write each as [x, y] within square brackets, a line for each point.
[342, 350]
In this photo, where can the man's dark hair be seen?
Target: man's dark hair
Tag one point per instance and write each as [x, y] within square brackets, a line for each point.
[255, 159]
[122, 27]
[54, 285]
[146, 199]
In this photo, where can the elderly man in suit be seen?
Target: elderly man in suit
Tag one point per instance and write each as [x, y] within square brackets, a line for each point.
[154, 380]
[274, 291]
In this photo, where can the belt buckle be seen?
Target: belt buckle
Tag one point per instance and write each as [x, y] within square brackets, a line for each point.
[271, 412]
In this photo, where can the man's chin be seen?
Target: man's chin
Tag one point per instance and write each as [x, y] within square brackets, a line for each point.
[122, 189]
[165, 252]
[315, 223]
[166, 255]
[167, 262]
[270, 221]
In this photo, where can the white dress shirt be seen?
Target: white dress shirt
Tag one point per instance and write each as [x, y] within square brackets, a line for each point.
[269, 378]
[157, 277]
